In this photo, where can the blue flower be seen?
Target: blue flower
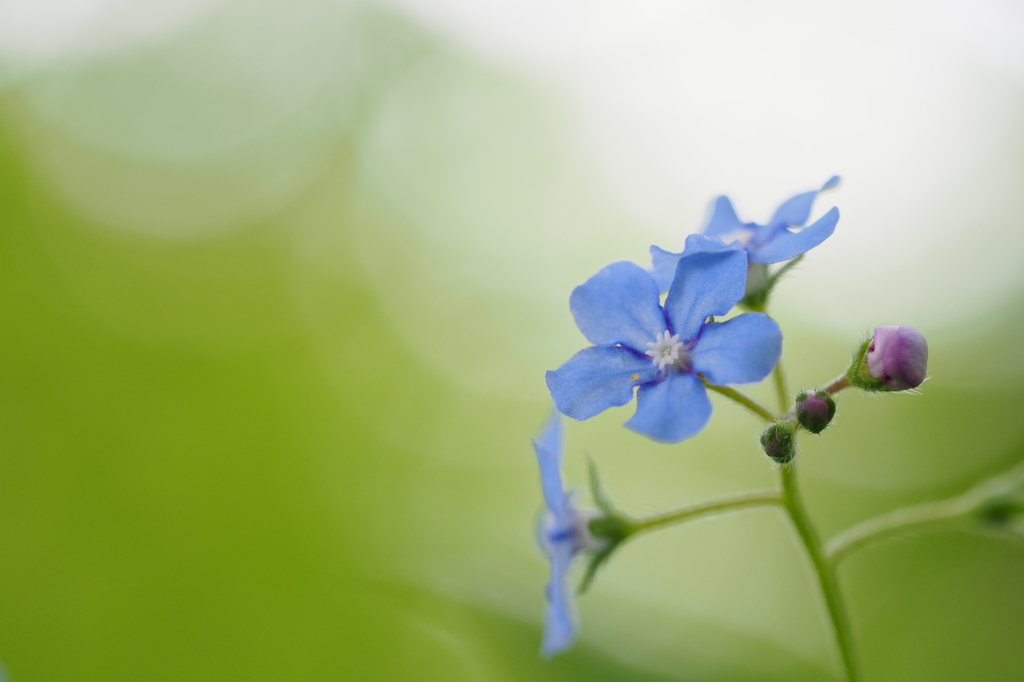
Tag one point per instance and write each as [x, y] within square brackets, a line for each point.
[564, 533]
[773, 242]
[663, 350]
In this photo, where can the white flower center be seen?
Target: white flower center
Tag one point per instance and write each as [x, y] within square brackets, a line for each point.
[576, 532]
[743, 235]
[666, 350]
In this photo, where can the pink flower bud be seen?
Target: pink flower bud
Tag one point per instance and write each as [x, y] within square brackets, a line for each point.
[898, 356]
[815, 410]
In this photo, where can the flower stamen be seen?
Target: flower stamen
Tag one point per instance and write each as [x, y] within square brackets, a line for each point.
[666, 350]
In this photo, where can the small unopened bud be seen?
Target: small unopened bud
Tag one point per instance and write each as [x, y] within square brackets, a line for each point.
[893, 359]
[1003, 514]
[898, 356]
[815, 410]
[778, 441]
[999, 512]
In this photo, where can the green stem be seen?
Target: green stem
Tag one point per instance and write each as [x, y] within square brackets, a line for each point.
[781, 394]
[761, 498]
[618, 528]
[894, 523]
[827, 579]
[749, 403]
[937, 514]
[838, 384]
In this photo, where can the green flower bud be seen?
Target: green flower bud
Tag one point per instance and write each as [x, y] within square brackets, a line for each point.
[1000, 512]
[779, 441]
[815, 410]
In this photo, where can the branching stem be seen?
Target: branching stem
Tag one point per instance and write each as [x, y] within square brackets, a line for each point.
[747, 402]
[761, 498]
[923, 516]
[897, 522]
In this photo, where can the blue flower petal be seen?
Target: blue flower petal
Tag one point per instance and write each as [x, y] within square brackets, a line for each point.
[663, 263]
[706, 283]
[795, 211]
[673, 409]
[786, 244]
[700, 243]
[559, 624]
[597, 378]
[618, 305]
[738, 351]
[723, 221]
[550, 437]
[548, 445]
[663, 266]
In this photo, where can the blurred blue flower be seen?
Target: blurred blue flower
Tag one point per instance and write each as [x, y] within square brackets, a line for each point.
[563, 534]
[637, 342]
[772, 242]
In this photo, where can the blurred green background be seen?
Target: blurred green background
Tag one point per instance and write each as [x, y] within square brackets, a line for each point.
[279, 282]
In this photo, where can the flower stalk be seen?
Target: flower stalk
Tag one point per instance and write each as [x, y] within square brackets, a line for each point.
[779, 381]
[747, 402]
[828, 581]
[926, 516]
[761, 498]
[838, 384]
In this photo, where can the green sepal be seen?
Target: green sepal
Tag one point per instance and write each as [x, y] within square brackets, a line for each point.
[858, 374]
[596, 560]
[778, 440]
[597, 491]
[612, 529]
[757, 294]
[756, 302]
